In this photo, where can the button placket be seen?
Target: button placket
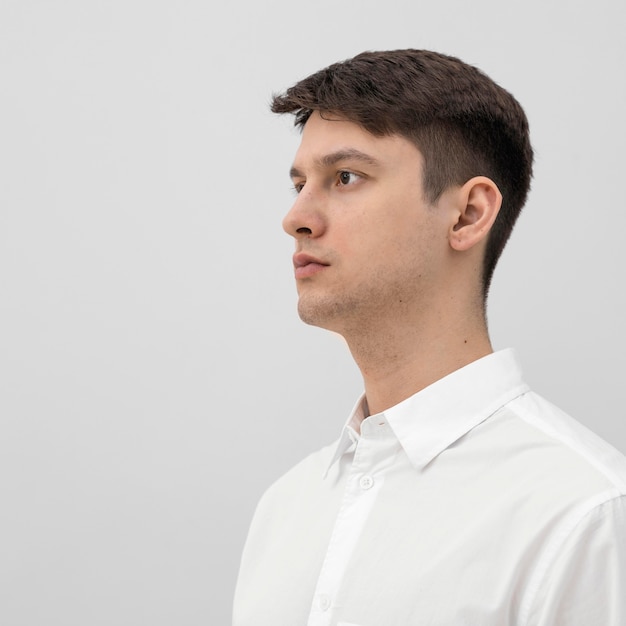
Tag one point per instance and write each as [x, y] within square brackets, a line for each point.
[359, 497]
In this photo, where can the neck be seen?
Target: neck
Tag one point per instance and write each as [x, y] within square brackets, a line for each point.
[399, 360]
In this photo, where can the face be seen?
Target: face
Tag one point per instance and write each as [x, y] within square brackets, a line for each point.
[369, 247]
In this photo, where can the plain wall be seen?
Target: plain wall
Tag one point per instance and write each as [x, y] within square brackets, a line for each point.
[154, 375]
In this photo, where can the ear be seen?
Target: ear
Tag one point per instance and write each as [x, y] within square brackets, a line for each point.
[479, 201]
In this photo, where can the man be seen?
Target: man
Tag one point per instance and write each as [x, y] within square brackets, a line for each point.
[455, 495]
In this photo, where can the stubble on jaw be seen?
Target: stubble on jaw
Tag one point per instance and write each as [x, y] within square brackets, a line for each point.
[366, 308]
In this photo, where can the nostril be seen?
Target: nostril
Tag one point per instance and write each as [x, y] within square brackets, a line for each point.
[304, 230]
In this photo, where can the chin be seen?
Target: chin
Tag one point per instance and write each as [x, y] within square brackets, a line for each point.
[312, 316]
[323, 312]
[314, 311]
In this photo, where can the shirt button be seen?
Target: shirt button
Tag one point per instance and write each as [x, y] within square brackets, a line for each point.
[324, 601]
[366, 482]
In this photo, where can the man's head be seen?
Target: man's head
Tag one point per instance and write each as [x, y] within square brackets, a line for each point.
[463, 124]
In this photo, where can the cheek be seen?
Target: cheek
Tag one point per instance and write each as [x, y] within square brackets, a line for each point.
[418, 244]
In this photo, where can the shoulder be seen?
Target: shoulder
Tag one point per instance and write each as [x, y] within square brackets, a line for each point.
[576, 450]
[573, 484]
[551, 473]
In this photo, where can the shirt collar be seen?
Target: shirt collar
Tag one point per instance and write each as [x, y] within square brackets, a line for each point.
[349, 434]
[434, 418]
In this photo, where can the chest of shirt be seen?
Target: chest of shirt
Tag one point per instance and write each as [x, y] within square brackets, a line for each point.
[380, 542]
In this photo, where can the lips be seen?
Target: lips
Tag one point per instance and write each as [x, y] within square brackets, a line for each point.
[306, 265]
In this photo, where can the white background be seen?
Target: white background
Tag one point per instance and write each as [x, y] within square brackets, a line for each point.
[154, 375]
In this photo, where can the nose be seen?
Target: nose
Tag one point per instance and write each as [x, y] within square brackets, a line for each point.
[305, 219]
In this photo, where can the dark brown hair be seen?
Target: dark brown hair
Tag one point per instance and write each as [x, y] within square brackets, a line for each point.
[462, 122]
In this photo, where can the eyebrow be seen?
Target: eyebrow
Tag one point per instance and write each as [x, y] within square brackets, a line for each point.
[335, 157]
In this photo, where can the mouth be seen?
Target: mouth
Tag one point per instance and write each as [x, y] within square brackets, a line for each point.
[306, 266]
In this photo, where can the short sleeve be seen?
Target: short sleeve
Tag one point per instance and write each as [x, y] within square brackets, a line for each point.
[585, 583]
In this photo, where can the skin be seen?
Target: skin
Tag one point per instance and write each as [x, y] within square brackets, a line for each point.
[397, 276]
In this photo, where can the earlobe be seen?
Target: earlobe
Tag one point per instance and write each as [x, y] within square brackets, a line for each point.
[479, 204]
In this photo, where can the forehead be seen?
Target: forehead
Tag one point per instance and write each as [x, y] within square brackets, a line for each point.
[325, 138]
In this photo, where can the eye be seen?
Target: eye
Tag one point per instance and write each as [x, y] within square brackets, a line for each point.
[298, 186]
[347, 178]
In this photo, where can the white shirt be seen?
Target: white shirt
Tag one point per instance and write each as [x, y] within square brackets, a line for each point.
[474, 502]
